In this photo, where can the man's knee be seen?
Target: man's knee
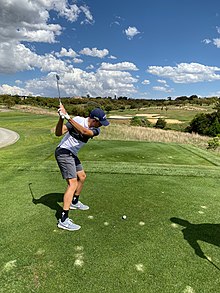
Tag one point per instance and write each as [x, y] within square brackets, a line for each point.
[81, 176]
[72, 183]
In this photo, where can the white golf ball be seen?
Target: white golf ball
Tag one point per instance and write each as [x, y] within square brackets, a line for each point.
[124, 217]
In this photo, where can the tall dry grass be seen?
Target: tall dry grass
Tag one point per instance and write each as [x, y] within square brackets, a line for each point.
[125, 132]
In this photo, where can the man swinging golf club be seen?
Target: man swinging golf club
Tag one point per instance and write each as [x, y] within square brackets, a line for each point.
[78, 131]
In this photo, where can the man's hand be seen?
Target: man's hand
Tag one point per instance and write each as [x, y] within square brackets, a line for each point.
[60, 113]
[63, 114]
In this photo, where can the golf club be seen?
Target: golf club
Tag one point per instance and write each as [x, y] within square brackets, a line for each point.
[33, 199]
[58, 88]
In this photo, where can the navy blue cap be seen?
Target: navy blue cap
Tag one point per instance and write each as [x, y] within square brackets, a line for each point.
[99, 115]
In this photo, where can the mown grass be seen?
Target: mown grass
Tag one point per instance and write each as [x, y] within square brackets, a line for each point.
[183, 113]
[149, 182]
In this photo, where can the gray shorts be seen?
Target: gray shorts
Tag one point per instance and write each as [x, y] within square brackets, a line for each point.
[68, 163]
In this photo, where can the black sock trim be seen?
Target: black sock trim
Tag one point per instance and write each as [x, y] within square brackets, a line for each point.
[64, 215]
[75, 199]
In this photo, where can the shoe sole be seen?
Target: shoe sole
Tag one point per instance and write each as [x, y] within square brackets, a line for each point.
[73, 208]
[65, 228]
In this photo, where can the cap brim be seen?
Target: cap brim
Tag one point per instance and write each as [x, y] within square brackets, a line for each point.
[104, 122]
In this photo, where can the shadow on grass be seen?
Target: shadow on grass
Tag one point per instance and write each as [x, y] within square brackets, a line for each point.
[50, 200]
[206, 232]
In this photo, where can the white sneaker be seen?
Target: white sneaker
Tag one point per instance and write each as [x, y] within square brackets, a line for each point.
[68, 225]
[79, 206]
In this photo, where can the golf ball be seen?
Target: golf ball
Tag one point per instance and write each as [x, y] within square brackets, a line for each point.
[124, 217]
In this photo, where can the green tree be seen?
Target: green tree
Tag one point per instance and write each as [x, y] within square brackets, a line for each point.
[205, 124]
[161, 123]
[138, 121]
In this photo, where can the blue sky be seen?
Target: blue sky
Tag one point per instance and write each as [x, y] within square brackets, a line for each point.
[151, 49]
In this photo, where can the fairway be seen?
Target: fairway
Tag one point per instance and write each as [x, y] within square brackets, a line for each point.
[150, 183]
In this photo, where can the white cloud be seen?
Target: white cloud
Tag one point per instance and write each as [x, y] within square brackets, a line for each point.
[216, 42]
[27, 20]
[17, 57]
[112, 57]
[77, 82]
[77, 60]
[66, 53]
[90, 67]
[89, 17]
[162, 89]
[94, 52]
[18, 81]
[162, 81]
[14, 90]
[118, 66]
[146, 81]
[186, 72]
[131, 32]
[207, 41]
[115, 22]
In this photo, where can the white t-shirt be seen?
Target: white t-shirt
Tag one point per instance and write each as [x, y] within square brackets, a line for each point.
[73, 141]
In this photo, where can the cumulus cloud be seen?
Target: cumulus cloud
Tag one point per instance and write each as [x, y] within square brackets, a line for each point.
[112, 57]
[77, 82]
[66, 53]
[207, 41]
[146, 81]
[22, 58]
[216, 42]
[77, 60]
[118, 66]
[14, 90]
[94, 52]
[186, 72]
[162, 81]
[162, 89]
[131, 32]
[27, 20]
[89, 17]
[90, 67]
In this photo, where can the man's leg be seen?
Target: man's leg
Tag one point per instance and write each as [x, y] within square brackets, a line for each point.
[76, 204]
[70, 191]
[65, 222]
[81, 177]
[68, 196]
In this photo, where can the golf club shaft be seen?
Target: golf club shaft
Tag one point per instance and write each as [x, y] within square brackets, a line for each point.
[58, 89]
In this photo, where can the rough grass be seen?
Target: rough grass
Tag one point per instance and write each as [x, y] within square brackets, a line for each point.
[125, 132]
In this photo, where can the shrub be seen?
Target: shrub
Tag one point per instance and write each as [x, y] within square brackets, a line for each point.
[205, 124]
[138, 121]
[214, 143]
[161, 123]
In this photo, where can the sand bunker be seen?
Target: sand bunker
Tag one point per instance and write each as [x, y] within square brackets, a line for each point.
[150, 117]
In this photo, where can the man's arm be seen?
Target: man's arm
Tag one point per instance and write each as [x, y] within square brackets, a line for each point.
[60, 128]
[79, 128]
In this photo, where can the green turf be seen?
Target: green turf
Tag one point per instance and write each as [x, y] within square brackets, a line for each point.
[150, 183]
